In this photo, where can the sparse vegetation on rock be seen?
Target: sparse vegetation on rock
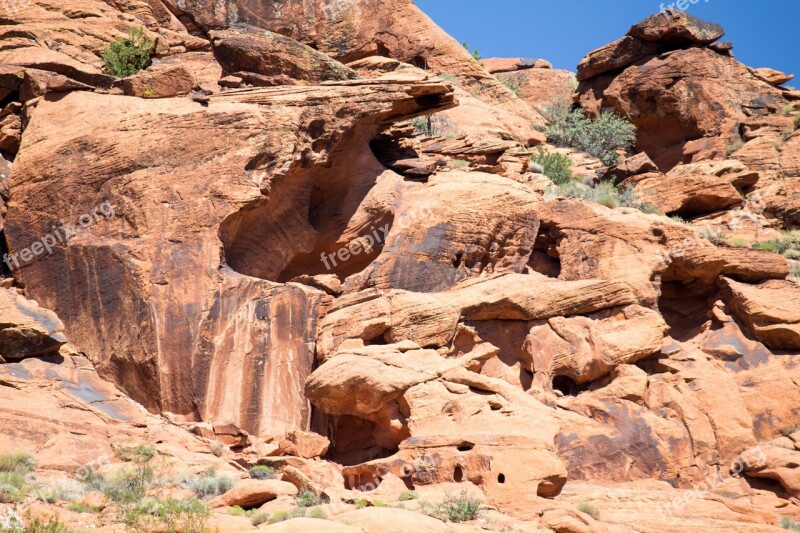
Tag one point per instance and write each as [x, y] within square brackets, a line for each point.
[601, 137]
[128, 55]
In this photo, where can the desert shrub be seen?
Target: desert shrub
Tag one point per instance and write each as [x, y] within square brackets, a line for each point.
[735, 146]
[210, 485]
[459, 163]
[317, 513]
[128, 55]
[237, 510]
[360, 503]
[407, 496]
[607, 200]
[434, 126]
[11, 487]
[738, 242]
[150, 514]
[714, 236]
[555, 166]
[306, 498]
[66, 490]
[259, 518]
[791, 525]
[138, 453]
[79, 507]
[262, 472]
[589, 509]
[512, 82]
[770, 246]
[124, 486]
[21, 462]
[794, 271]
[282, 516]
[726, 494]
[603, 193]
[475, 54]
[51, 524]
[461, 508]
[601, 137]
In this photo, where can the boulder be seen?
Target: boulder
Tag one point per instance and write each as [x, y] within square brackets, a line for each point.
[687, 104]
[496, 65]
[250, 493]
[162, 81]
[27, 330]
[676, 28]
[614, 56]
[262, 57]
[688, 195]
[772, 76]
[304, 444]
[770, 310]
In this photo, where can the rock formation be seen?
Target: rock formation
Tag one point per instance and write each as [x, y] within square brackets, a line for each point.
[305, 247]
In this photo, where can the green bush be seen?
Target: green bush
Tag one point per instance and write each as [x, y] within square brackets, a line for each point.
[51, 524]
[210, 484]
[794, 271]
[738, 242]
[306, 498]
[434, 126]
[21, 462]
[409, 495]
[771, 246]
[512, 81]
[475, 54]
[282, 516]
[259, 518]
[461, 508]
[601, 137]
[555, 166]
[128, 55]
[791, 525]
[150, 514]
[78, 507]
[589, 509]
[262, 472]
[317, 513]
[139, 453]
[124, 486]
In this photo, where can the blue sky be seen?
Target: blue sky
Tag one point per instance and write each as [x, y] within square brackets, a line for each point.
[765, 33]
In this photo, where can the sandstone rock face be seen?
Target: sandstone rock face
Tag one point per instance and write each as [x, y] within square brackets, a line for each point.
[26, 329]
[771, 311]
[266, 58]
[253, 493]
[686, 100]
[259, 244]
[144, 269]
[351, 30]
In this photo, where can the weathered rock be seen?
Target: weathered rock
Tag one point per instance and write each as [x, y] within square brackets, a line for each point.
[138, 280]
[304, 444]
[771, 76]
[160, 82]
[390, 520]
[688, 195]
[769, 310]
[496, 65]
[615, 56]
[687, 104]
[26, 329]
[676, 28]
[251, 493]
[273, 57]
